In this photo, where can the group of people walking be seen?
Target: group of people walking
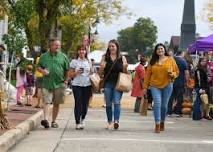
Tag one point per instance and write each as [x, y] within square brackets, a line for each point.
[158, 79]
[57, 71]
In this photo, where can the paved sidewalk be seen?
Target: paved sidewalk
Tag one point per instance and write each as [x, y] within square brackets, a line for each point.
[135, 134]
[17, 115]
[22, 120]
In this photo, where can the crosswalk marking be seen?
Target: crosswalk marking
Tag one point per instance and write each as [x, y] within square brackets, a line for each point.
[142, 140]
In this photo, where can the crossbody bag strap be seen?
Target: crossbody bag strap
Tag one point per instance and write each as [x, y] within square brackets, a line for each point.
[110, 70]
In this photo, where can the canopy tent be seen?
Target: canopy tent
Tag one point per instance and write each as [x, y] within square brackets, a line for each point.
[204, 44]
[96, 55]
[131, 67]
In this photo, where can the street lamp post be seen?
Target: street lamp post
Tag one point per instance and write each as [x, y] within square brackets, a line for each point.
[90, 34]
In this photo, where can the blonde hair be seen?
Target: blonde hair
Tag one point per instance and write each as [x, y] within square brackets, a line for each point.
[29, 67]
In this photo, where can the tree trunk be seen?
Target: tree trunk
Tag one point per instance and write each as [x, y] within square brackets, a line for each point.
[47, 11]
[29, 40]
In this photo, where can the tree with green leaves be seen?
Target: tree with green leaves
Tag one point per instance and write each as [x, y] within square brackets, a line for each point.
[73, 17]
[208, 13]
[39, 19]
[139, 38]
[20, 13]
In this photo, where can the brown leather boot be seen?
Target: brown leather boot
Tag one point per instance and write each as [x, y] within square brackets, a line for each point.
[157, 128]
[162, 127]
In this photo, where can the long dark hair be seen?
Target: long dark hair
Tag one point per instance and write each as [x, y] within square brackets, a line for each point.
[201, 67]
[155, 56]
[79, 47]
[107, 55]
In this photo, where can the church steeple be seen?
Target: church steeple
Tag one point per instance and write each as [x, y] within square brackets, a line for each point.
[188, 27]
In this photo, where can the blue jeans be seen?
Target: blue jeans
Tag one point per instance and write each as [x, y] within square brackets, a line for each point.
[112, 96]
[161, 99]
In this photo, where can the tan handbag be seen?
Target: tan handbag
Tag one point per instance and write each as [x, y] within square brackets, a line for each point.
[95, 81]
[124, 82]
[204, 98]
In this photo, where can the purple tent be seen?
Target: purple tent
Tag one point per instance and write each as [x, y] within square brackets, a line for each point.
[204, 44]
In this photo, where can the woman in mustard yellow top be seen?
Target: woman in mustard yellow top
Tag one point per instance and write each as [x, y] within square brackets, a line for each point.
[160, 75]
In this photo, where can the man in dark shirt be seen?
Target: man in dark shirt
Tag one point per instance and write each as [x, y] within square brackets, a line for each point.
[178, 86]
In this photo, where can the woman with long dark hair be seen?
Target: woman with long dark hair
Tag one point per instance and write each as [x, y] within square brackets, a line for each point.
[112, 64]
[79, 70]
[201, 87]
[160, 75]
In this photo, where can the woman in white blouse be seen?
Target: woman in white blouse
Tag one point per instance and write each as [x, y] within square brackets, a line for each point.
[80, 70]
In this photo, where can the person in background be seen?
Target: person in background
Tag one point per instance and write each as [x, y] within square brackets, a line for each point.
[93, 70]
[160, 75]
[210, 79]
[137, 89]
[4, 58]
[80, 69]
[20, 80]
[171, 53]
[54, 65]
[206, 56]
[201, 87]
[190, 84]
[179, 85]
[2, 49]
[30, 84]
[38, 84]
[112, 63]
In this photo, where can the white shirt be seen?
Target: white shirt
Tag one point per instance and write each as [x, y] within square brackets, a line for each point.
[83, 79]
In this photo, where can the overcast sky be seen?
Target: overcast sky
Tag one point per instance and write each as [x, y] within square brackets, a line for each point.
[166, 14]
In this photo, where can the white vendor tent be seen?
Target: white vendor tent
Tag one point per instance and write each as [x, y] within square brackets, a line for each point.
[96, 55]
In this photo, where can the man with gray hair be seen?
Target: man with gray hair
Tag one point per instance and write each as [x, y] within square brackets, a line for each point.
[54, 65]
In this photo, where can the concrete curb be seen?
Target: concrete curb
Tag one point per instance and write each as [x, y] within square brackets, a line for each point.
[13, 136]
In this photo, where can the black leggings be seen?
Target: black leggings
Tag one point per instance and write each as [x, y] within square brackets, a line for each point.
[82, 96]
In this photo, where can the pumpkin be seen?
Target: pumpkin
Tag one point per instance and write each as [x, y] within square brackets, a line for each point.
[190, 83]
[186, 111]
[187, 105]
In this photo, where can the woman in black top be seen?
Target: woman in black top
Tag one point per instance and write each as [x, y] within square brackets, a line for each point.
[202, 87]
[112, 64]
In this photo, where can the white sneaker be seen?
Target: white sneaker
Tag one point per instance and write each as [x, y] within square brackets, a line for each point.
[169, 115]
[109, 126]
[78, 127]
[82, 124]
